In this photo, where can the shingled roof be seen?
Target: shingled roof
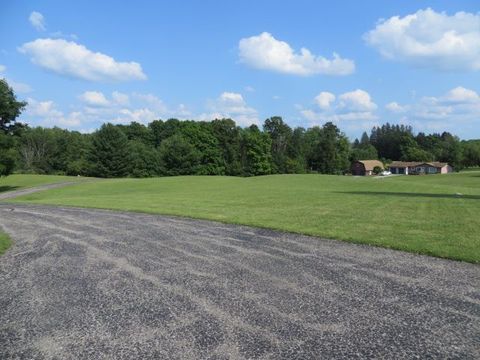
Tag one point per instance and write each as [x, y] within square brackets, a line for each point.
[404, 164]
[371, 164]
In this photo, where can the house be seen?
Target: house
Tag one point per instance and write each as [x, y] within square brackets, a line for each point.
[419, 168]
[365, 167]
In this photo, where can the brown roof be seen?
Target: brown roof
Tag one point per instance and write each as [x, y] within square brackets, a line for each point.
[404, 164]
[371, 164]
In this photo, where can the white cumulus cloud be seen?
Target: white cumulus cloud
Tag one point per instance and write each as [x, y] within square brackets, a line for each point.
[430, 39]
[461, 95]
[353, 105]
[37, 20]
[94, 98]
[457, 111]
[231, 105]
[48, 114]
[265, 52]
[395, 107]
[75, 60]
[356, 101]
[324, 99]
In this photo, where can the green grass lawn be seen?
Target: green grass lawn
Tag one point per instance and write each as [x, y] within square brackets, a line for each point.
[420, 214]
[18, 181]
[5, 242]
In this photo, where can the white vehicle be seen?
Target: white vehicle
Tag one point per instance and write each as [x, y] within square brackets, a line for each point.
[385, 173]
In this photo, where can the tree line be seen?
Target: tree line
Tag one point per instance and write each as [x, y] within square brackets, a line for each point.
[218, 147]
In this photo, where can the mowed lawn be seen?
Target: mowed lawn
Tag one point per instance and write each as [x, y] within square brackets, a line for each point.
[436, 214]
[4, 242]
[19, 181]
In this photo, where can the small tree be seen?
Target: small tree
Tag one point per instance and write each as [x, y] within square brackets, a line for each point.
[377, 170]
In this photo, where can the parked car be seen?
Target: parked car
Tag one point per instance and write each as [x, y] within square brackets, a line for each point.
[385, 173]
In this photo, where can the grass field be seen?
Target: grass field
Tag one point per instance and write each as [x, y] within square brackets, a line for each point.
[421, 214]
[18, 181]
[5, 242]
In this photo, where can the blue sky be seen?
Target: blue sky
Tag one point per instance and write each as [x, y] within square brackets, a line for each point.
[82, 63]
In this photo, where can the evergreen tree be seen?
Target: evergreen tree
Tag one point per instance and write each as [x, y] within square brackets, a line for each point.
[109, 152]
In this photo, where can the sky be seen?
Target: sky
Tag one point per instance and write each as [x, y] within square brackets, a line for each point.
[358, 64]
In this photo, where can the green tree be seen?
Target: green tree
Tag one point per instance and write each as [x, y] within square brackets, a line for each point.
[38, 150]
[144, 160]
[163, 130]
[388, 140]
[178, 156]
[109, 152]
[471, 153]
[201, 136]
[255, 149]
[138, 132]
[228, 138]
[7, 154]
[280, 135]
[411, 151]
[10, 108]
[329, 149]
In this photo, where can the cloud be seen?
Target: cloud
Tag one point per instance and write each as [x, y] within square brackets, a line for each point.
[37, 20]
[94, 98]
[120, 98]
[457, 104]
[267, 53]
[395, 107]
[430, 39]
[3, 68]
[456, 111]
[357, 101]
[461, 95]
[49, 115]
[71, 59]
[324, 100]
[95, 108]
[231, 105]
[353, 105]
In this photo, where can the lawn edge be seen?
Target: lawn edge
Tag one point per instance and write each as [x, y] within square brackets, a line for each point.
[306, 233]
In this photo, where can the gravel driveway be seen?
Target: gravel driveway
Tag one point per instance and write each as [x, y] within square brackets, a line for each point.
[93, 284]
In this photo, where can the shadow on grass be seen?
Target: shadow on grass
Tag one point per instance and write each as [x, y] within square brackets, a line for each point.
[7, 188]
[405, 194]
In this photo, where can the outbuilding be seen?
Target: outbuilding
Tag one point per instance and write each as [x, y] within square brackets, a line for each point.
[365, 167]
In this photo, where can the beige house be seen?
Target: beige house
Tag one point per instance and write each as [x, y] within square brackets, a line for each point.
[419, 168]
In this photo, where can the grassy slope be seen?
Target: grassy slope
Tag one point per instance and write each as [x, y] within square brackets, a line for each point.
[414, 213]
[18, 181]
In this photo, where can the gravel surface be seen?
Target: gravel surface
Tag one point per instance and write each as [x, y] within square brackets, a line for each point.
[93, 284]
